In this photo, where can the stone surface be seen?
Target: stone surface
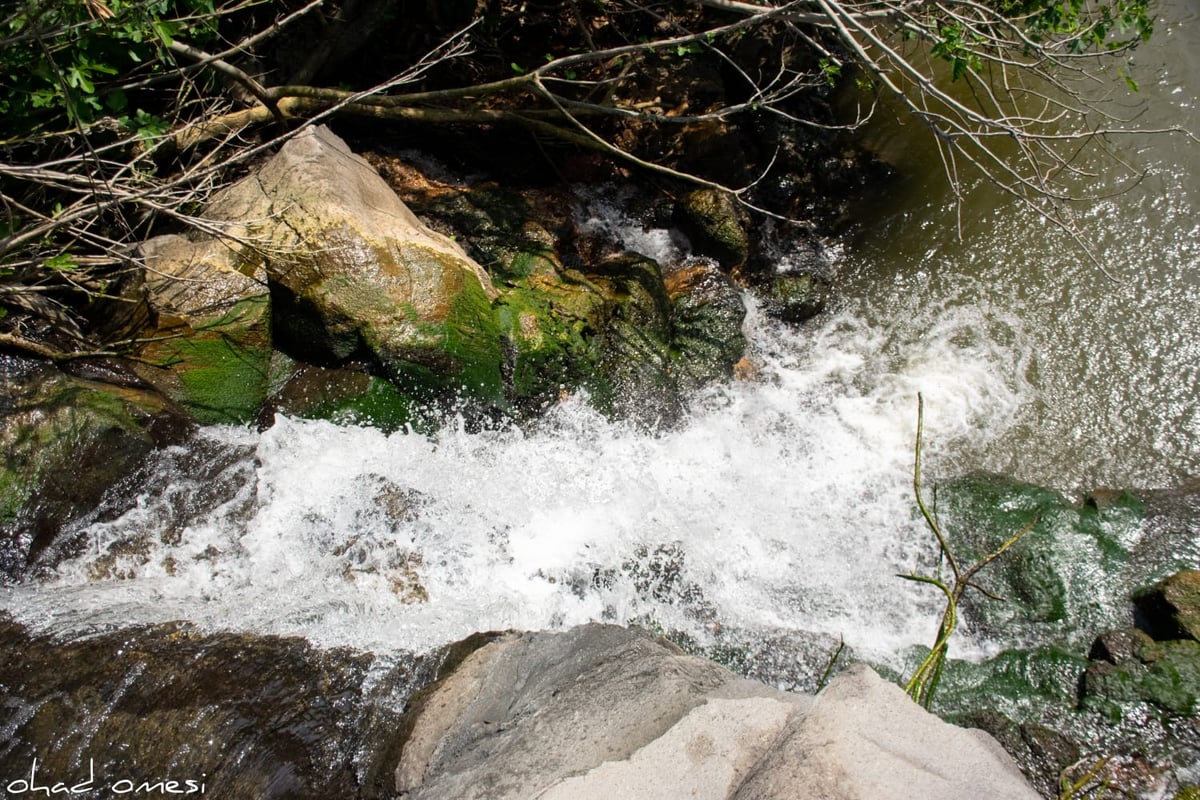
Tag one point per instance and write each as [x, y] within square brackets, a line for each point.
[707, 312]
[65, 441]
[202, 315]
[864, 738]
[1171, 608]
[601, 712]
[1158, 663]
[350, 270]
[247, 716]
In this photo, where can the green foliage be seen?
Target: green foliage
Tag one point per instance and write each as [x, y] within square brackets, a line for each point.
[1069, 26]
[956, 49]
[1086, 26]
[63, 63]
[830, 70]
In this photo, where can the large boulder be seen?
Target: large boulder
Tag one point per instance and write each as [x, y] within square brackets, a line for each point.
[351, 274]
[601, 711]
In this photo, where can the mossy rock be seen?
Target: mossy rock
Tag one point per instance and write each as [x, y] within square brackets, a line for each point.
[216, 368]
[66, 441]
[207, 337]
[711, 219]
[795, 296]
[1013, 682]
[498, 227]
[343, 396]
[1061, 570]
[1167, 675]
[550, 325]
[634, 377]
[707, 313]
[1171, 608]
[353, 275]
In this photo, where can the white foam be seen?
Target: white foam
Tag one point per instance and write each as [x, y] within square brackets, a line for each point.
[782, 504]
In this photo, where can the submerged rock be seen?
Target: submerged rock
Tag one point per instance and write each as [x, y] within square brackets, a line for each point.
[244, 716]
[66, 441]
[600, 710]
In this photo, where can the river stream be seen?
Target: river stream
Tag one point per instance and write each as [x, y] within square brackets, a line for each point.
[780, 506]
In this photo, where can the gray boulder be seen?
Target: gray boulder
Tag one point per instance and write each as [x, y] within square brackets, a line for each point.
[603, 712]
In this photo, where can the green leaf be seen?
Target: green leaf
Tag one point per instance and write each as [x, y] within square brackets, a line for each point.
[149, 126]
[63, 262]
[517, 68]
[116, 101]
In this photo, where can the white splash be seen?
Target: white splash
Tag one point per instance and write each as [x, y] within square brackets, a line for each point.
[779, 505]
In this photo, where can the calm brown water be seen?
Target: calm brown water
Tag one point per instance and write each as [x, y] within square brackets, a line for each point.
[1104, 374]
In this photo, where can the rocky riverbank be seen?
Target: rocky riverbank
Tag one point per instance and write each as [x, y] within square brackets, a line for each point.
[311, 289]
[364, 291]
[582, 713]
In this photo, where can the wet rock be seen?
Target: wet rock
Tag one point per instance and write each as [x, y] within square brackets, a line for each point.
[794, 283]
[707, 313]
[552, 320]
[1043, 587]
[1159, 664]
[598, 710]
[1120, 646]
[795, 296]
[246, 716]
[634, 378]
[207, 341]
[711, 219]
[575, 310]
[1171, 608]
[1166, 674]
[66, 441]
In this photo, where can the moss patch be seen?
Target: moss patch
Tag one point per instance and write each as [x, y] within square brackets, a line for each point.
[221, 366]
[65, 442]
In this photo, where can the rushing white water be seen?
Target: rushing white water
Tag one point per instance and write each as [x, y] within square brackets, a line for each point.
[782, 504]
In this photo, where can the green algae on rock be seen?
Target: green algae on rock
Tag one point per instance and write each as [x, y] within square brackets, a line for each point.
[207, 341]
[66, 441]
[333, 267]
